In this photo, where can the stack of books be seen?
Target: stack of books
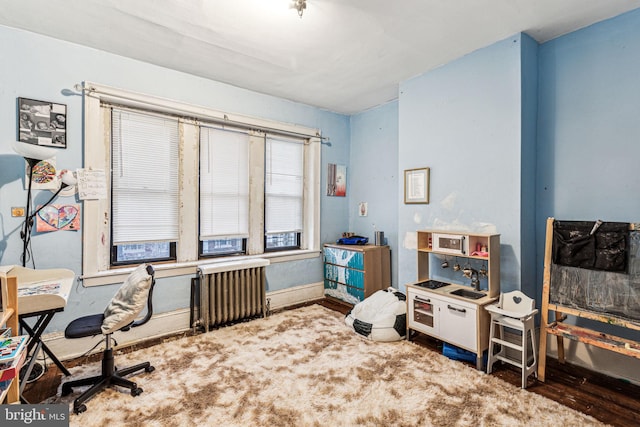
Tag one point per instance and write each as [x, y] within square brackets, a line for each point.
[12, 356]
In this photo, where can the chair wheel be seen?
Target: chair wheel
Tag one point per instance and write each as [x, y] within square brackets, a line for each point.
[136, 392]
[66, 390]
[80, 409]
[149, 369]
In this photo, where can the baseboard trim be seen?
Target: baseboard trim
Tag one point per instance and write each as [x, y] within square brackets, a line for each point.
[170, 323]
[296, 295]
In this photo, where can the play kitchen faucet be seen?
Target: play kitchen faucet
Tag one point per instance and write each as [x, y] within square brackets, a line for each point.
[472, 273]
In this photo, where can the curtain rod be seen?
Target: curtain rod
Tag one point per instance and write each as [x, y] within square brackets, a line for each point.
[183, 111]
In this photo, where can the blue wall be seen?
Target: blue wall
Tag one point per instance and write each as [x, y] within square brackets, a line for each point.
[528, 164]
[463, 121]
[588, 131]
[589, 126]
[373, 176]
[40, 67]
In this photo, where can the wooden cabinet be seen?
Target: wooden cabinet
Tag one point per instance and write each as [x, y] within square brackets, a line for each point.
[353, 272]
[450, 309]
[9, 319]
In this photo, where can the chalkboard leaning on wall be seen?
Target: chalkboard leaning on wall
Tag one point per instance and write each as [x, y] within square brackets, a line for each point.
[591, 271]
[596, 267]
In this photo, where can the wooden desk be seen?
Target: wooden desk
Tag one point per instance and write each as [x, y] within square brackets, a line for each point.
[41, 294]
[33, 294]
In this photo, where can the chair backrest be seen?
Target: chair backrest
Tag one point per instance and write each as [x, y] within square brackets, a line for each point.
[516, 302]
[132, 297]
[147, 316]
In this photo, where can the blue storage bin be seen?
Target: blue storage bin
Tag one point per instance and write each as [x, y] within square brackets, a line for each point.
[456, 353]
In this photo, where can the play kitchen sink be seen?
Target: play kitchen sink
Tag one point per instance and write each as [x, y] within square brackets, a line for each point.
[465, 293]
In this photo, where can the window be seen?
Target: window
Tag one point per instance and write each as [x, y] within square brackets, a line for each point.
[283, 193]
[144, 179]
[224, 191]
[186, 183]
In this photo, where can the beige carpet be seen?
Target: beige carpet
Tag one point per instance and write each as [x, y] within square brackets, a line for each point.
[306, 368]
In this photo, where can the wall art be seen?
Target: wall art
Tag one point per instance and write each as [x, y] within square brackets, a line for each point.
[42, 123]
[416, 186]
[336, 180]
[58, 217]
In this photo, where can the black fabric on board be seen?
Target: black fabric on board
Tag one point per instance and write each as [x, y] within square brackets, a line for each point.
[593, 245]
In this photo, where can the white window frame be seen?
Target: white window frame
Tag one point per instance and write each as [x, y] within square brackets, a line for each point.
[96, 213]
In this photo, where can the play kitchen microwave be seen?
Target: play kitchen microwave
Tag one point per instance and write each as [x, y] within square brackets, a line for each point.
[455, 244]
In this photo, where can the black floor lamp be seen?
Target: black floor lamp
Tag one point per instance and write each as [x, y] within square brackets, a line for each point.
[33, 154]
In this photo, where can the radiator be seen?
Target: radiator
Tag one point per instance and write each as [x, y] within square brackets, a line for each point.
[231, 292]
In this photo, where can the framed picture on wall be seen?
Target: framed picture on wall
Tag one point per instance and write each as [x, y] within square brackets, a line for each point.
[416, 186]
[42, 123]
[336, 180]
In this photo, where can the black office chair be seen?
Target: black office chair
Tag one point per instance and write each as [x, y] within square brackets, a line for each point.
[120, 315]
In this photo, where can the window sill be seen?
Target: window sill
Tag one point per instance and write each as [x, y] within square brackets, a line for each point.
[118, 275]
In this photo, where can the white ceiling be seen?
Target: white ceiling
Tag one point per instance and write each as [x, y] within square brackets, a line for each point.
[342, 55]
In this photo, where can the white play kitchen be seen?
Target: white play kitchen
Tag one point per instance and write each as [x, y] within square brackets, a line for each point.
[458, 275]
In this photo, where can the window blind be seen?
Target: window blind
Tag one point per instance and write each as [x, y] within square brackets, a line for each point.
[224, 183]
[284, 184]
[144, 178]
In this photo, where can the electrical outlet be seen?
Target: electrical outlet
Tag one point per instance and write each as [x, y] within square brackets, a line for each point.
[17, 212]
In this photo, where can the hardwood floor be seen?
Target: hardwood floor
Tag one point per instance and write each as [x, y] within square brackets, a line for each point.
[607, 399]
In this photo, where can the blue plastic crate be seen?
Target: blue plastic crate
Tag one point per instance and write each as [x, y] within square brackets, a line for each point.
[456, 353]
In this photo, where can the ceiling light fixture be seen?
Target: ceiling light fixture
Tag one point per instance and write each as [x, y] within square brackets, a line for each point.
[299, 5]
